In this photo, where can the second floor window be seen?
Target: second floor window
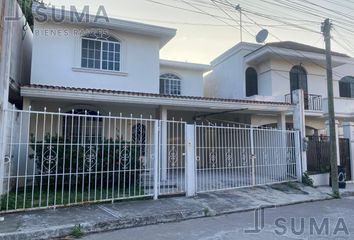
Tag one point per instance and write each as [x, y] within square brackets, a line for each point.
[101, 51]
[346, 87]
[251, 82]
[170, 84]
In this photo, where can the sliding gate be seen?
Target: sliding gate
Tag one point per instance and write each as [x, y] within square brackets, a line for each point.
[236, 157]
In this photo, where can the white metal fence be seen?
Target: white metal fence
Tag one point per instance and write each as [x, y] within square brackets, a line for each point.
[172, 177]
[235, 157]
[62, 159]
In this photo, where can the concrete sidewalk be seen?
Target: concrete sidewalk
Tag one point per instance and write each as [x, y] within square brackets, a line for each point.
[61, 222]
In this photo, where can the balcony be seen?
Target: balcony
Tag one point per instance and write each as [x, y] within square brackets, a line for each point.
[313, 102]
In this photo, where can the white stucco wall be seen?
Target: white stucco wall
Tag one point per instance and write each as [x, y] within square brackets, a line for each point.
[191, 80]
[227, 78]
[56, 51]
[343, 71]
[21, 51]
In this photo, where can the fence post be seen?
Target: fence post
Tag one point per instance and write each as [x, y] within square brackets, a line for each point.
[298, 153]
[253, 158]
[156, 160]
[299, 124]
[348, 129]
[3, 140]
[190, 160]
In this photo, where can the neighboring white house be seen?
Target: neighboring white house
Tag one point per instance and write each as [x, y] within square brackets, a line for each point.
[15, 49]
[272, 71]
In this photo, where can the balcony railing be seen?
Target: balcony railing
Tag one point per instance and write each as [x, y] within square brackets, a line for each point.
[312, 102]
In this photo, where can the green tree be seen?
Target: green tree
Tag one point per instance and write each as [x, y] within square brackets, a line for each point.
[26, 6]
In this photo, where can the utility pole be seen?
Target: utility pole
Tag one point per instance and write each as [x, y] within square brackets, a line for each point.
[326, 30]
[238, 8]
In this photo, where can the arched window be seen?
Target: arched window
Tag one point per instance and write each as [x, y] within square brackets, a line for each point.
[346, 87]
[170, 84]
[298, 79]
[101, 51]
[251, 82]
[82, 126]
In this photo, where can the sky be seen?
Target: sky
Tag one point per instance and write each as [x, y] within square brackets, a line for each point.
[206, 28]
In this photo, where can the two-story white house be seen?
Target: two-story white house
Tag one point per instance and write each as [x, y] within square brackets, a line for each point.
[272, 71]
[114, 67]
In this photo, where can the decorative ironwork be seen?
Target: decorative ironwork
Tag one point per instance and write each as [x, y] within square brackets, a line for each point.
[229, 158]
[244, 158]
[90, 159]
[212, 158]
[49, 160]
[288, 156]
[125, 157]
[173, 156]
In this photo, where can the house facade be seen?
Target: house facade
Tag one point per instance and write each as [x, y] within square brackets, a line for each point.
[105, 119]
[272, 71]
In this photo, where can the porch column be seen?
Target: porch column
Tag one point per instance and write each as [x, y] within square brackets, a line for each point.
[348, 128]
[282, 121]
[164, 142]
[337, 139]
[299, 124]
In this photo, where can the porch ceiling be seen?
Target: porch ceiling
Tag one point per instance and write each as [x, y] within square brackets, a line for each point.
[150, 99]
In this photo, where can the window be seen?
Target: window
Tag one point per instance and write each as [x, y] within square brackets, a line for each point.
[251, 82]
[100, 51]
[83, 126]
[346, 87]
[298, 79]
[170, 84]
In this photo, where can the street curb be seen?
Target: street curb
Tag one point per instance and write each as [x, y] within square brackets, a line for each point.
[89, 228]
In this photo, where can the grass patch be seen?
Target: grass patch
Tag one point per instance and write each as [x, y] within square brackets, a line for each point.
[77, 231]
[24, 199]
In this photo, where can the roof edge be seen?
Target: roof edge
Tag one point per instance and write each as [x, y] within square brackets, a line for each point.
[141, 94]
[185, 65]
[40, 12]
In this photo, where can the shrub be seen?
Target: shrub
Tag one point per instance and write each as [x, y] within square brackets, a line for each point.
[102, 161]
[307, 180]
